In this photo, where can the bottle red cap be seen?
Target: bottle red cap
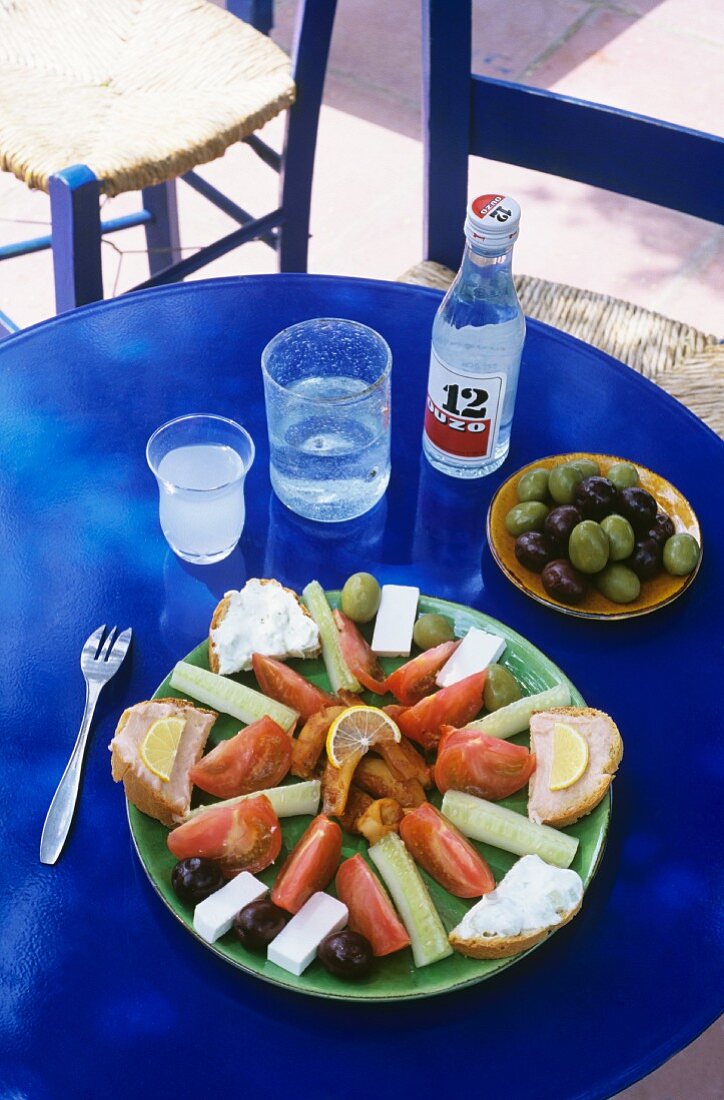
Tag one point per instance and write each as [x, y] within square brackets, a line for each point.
[493, 221]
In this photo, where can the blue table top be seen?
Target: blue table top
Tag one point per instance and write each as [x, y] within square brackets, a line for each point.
[102, 989]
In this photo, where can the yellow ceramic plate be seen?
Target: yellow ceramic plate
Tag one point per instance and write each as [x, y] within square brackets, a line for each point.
[655, 593]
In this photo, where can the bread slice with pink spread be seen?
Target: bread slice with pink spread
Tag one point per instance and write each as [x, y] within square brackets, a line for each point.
[166, 800]
[605, 750]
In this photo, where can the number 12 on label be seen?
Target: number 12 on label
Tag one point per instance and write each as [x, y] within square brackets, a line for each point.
[476, 401]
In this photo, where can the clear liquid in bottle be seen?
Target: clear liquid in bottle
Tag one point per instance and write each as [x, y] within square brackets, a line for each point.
[477, 342]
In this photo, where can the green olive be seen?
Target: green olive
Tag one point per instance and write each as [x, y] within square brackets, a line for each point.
[528, 516]
[501, 688]
[681, 553]
[431, 630]
[620, 536]
[533, 485]
[618, 583]
[360, 597]
[623, 475]
[562, 482]
[588, 547]
[587, 466]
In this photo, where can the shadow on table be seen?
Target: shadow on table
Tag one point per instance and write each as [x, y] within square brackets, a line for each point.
[438, 549]
[299, 550]
[191, 592]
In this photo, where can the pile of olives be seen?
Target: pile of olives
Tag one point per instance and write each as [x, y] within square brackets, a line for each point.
[345, 954]
[571, 523]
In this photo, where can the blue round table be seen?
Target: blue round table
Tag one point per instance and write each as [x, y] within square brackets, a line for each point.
[103, 992]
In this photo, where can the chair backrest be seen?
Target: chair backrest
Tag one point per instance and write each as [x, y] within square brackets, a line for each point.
[260, 13]
[469, 114]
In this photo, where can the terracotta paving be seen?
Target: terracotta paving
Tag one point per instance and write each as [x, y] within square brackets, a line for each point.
[661, 58]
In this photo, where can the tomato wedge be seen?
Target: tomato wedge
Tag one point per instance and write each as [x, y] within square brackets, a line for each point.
[414, 680]
[360, 659]
[445, 853]
[478, 764]
[282, 683]
[370, 910]
[310, 866]
[244, 837]
[454, 706]
[257, 757]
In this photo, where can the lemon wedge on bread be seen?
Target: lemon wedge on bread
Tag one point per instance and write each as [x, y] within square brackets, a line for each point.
[577, 750]
[160, 745]
[570, 757]
[155, 745]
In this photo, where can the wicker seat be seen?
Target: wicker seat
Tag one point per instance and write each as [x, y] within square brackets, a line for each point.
[687, 363]
[138, 90]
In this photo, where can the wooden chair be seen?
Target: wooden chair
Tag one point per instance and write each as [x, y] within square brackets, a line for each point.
[626, 153]
[98, 97]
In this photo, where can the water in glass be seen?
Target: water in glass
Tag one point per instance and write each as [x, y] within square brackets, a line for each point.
[331, 464]
[327, 391]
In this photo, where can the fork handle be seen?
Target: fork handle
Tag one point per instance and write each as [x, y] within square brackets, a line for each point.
[60, 815]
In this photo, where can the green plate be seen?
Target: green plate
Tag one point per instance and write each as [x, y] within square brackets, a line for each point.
[394, 977]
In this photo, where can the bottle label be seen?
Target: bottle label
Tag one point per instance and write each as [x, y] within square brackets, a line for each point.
[463, 412]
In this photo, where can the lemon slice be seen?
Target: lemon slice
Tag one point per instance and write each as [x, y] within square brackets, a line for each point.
[570, 757]
[160, 746]
[356, 730]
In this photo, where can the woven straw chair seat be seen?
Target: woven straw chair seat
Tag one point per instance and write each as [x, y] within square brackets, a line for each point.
[138, 90]
[687, 363]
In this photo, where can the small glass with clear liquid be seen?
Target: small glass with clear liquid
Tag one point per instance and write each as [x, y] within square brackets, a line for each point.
[200, 463]
[327, 391]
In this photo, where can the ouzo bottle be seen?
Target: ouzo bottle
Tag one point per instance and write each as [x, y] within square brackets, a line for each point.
[477, 341]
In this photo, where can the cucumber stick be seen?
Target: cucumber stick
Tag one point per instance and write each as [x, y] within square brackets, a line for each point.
[340, 677]
[515, 718]
[503, 828]
[410, 895]
[291, 801]
[228, 696]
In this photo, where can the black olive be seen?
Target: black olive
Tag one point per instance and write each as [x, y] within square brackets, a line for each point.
[533, 550]
[563, 582]
[258, 923]
[646, 559]
[195, 878]
[639, 508]
[663, 529]
[559, 523]
[595, 497]
[346, 955]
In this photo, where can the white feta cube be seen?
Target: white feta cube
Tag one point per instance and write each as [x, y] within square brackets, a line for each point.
[215, 914]
[477, 650]
[296, 945]
[395, 620]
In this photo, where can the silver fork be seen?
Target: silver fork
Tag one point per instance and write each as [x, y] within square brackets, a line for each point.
[99, 661]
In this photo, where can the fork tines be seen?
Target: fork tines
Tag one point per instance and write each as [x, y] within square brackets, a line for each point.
[110, 648]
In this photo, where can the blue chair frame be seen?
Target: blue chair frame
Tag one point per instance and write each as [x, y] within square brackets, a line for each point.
[465, 113]
[77, 228]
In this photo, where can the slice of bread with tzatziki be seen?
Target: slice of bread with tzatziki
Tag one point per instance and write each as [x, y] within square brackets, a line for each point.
[263, 617]
[529, 902]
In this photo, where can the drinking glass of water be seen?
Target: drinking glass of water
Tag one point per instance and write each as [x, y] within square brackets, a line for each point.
[327, 389]
[200, 463]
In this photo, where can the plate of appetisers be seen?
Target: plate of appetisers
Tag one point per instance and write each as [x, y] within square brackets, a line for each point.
[594, 536]
[370, 794]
